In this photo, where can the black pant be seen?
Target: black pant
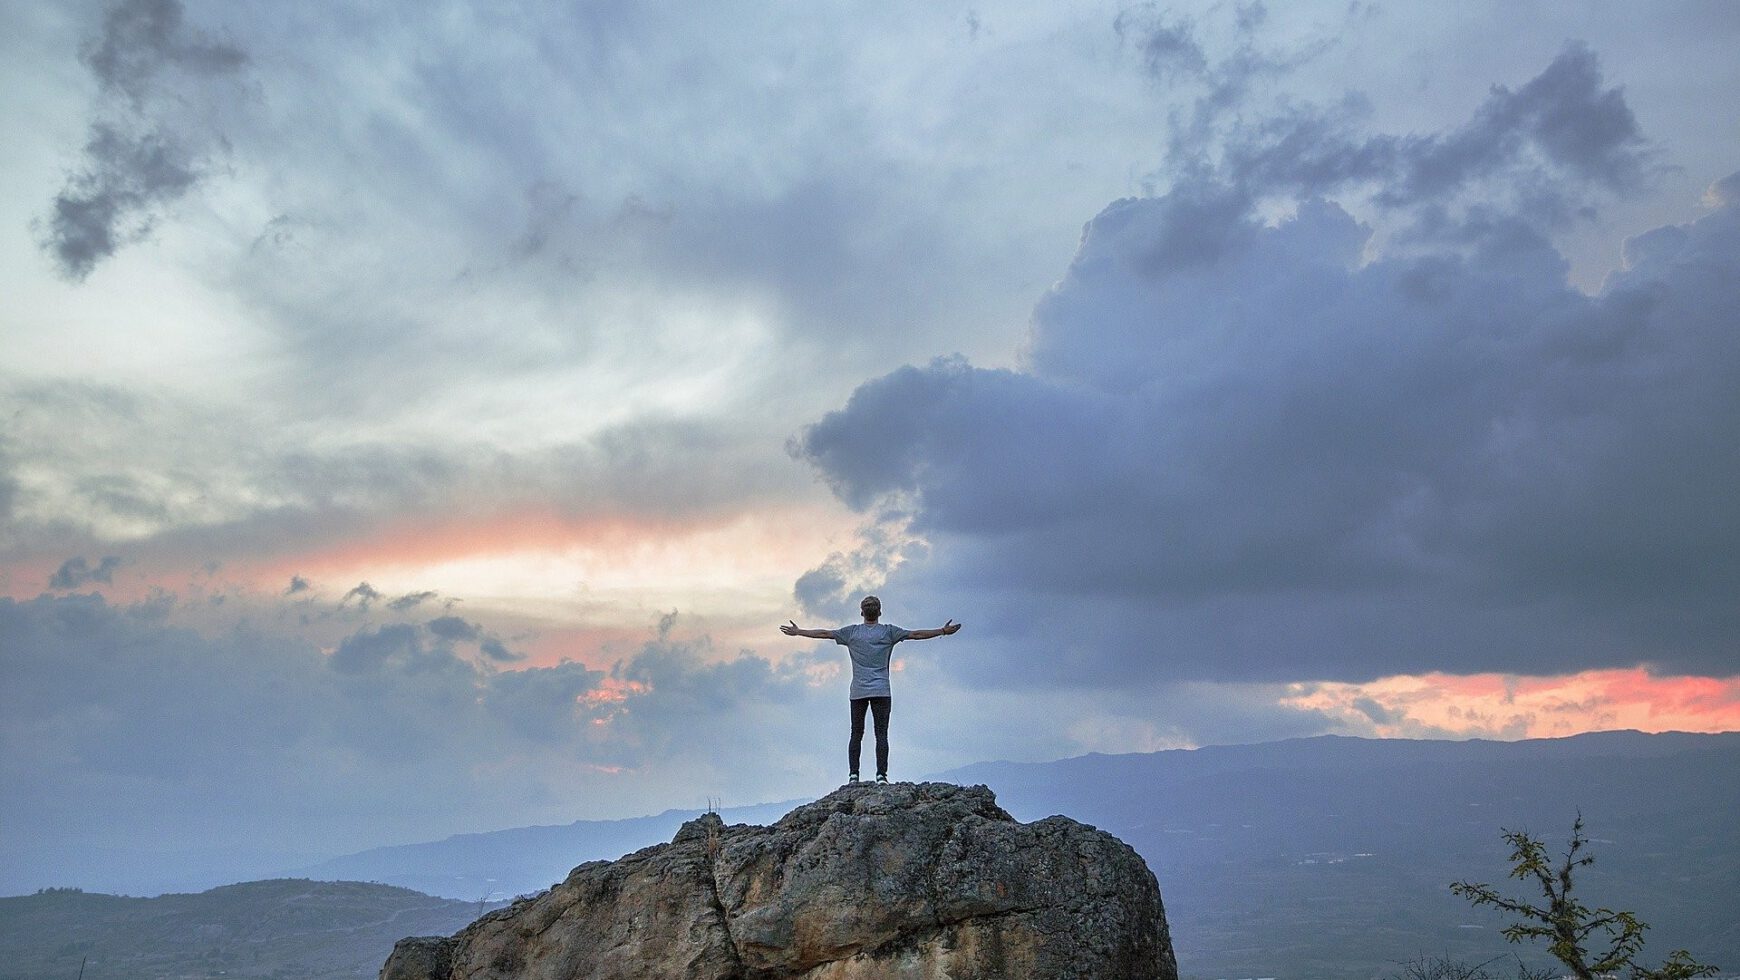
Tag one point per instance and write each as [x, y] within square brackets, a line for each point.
[880, 707]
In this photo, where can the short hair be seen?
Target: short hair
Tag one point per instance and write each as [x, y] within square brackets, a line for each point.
[869, 601]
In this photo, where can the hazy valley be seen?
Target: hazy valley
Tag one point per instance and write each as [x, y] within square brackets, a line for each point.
[1325, 857]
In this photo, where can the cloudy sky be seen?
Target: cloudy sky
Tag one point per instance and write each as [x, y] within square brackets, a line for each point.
[417, 420]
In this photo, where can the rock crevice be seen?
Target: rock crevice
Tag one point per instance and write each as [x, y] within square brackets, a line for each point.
[713, 829]
[925, 881]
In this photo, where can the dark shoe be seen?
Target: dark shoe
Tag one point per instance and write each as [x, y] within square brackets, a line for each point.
[852, 780]
[882, 779]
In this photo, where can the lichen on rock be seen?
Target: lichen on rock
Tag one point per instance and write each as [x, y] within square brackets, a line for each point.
[927, 881]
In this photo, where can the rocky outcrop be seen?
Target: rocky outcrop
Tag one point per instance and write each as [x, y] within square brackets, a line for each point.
[924, 881]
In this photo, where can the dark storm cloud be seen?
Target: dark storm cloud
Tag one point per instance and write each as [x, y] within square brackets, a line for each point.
[706, 708]
[398, 645]
[363, 593]
[1564, 113]
[407, 646]
[386, 692]
[108, 204]
[1173, 53]
[1169, 51]
[8, 482]
[498, 651]
[76, 572]
[147, 145]
[541, 706]
[1551, 141]
[821, 591]
[141, 39]
[1558, 135]
[1175, 56]
[411, 600]
[1251, 451]
[832, 590]
[453, 628]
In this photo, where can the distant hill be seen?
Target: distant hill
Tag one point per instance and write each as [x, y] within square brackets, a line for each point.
[1324, 857]
[1309, 859]
[506, 863]
[1330, 857]
[286, 929]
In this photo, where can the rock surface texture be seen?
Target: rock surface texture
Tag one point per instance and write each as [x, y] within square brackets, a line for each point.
[921, 881]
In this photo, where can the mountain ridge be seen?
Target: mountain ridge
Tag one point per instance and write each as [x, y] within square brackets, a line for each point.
[1329, 856]
[1249, 840]
[288, 928]
[516, 860]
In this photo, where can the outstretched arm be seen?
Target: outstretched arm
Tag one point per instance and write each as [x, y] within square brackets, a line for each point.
[949, 628]
[793, 629]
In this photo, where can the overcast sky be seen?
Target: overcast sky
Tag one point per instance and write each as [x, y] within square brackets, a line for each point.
[417, 420]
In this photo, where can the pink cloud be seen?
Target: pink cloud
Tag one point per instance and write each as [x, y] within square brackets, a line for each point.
[1516, 706]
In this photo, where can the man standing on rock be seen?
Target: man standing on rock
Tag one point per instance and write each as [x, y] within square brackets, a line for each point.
[871, 645]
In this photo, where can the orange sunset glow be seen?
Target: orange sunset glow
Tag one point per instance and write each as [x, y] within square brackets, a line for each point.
[421, 420]
[1511, 706]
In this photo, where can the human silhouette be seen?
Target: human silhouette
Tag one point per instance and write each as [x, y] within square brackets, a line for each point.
[871, 645]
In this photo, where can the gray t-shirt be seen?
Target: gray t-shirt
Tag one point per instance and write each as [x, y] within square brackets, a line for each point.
[870, 644]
